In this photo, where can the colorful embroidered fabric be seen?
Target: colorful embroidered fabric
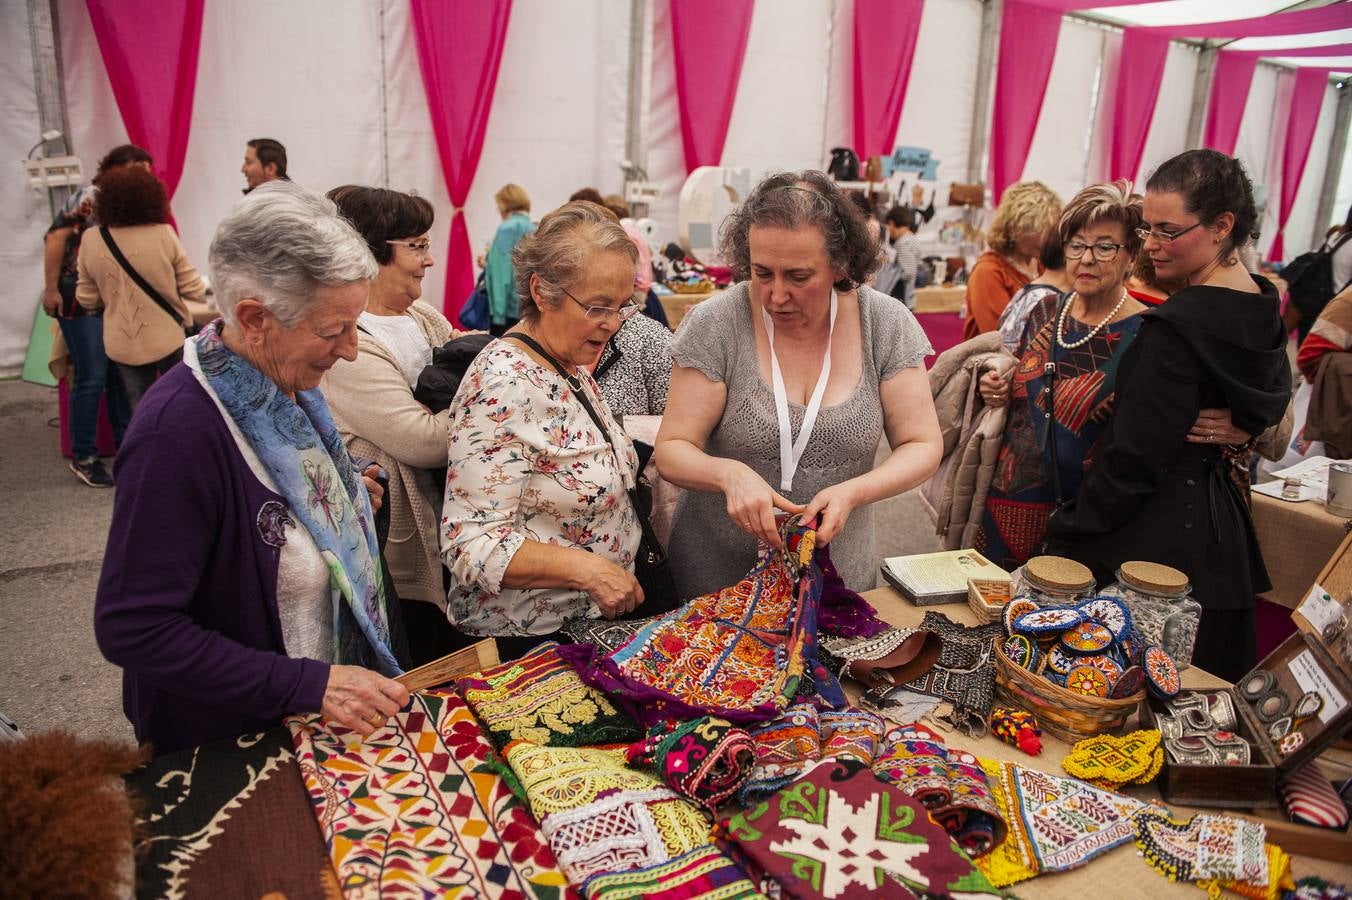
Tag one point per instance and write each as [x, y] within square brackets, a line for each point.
[784, 748]
[540, 699]
[1211, 850]
[742, 653]
[704, 760]
[843, 613]
[965, 673]
[704, 872]
[413, 811]
[839, 832]
[1055, 823]
[600, 815]
[852, 733]
[606, 634]
[894, 656]
[1110, 761]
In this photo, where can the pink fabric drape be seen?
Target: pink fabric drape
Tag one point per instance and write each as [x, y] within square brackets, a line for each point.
[459, 51]
[1307, 99]
[1229, 92]
[1028, 33]
[150, 50]
[1140, 72]
[1305, 21]
[884, 46]
[708, 39]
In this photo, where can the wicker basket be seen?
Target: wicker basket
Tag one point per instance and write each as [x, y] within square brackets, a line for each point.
[987, 597]
[1061, 713]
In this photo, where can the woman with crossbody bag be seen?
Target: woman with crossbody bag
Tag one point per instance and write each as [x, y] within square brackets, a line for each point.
[133, 267]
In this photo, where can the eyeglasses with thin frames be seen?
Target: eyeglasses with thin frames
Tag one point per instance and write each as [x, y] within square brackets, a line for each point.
[1104, 251]
[1164, 237]
[625, 311]
[422, 248]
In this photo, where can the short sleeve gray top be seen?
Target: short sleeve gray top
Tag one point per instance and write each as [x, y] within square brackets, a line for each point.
[717, 337]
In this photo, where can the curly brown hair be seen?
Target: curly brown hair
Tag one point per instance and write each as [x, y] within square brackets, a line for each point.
[797, 200]
[129, 196]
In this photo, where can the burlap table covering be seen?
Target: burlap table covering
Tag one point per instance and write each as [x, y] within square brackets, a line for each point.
[1296, 540]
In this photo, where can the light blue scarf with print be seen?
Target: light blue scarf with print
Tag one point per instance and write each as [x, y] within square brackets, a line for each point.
[298, 444]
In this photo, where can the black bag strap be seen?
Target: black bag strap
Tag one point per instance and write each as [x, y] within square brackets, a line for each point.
[141, 283]
[576, 385]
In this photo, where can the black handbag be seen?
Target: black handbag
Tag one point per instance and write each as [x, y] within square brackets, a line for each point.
[190, 328]
[651, 566]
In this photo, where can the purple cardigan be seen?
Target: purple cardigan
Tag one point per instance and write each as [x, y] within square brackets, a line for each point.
[187, 601]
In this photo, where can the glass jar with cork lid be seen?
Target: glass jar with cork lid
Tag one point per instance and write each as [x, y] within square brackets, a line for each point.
[1053, 581]
[1162, 609]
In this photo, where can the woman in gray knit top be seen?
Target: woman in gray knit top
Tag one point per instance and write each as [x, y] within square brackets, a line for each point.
[783, 387]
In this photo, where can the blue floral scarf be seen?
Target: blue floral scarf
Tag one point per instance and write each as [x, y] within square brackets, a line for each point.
[298, 444]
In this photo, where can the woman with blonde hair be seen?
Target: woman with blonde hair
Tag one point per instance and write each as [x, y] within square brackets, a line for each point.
[514, 207]
[1064, 382]
[1026, 212]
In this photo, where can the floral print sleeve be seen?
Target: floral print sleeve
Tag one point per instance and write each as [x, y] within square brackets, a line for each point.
[525, 462]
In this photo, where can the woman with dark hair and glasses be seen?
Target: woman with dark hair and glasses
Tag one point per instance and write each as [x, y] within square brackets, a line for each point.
[537, 526]
[1161, 487]
[371, 398]
[1064, 384]
[785, 385]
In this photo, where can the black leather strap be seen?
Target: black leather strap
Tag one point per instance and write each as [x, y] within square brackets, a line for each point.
[136, 277]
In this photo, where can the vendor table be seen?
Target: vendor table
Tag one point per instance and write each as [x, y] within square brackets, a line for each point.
[1296, 540]
[677, 305]
[939, 298]
[1119, 873]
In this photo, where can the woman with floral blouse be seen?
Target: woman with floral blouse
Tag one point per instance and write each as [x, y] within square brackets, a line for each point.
[537, 526]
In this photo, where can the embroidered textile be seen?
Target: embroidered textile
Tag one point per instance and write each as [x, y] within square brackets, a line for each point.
[705, 872]
[894, 656]
[964, 674]
[742, 653]
[298, 444]
[1109, 761]
[200, 811]
[1055, 823]
[540, 698]
[1205, 848]
[704, 760]
[839, 832]
[843, 613]
[784, 748]
[606, 634]
[851, 733]
[600, 815]
[413, 811]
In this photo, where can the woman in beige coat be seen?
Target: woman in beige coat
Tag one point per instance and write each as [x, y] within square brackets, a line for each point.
[372, 402]
[143, 338]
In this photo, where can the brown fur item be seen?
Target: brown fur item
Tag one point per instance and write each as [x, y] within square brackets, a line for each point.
[66, 822]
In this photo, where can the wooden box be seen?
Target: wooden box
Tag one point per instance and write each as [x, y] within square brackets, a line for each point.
[987, 597]
[1299, 664]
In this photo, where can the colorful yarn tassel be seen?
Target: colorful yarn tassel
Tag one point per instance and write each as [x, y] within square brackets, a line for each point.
[1017, 727]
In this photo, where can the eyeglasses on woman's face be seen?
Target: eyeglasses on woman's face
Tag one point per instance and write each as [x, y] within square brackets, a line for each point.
[1104, 251]
[624, 312]
[1145, 233]
[422, 248]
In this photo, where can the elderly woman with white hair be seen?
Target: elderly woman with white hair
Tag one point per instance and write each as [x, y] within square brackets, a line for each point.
[242, 580]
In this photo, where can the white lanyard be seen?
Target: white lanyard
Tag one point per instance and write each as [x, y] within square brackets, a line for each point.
[791, 451]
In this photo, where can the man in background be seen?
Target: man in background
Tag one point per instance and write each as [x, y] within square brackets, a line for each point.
[264, 161]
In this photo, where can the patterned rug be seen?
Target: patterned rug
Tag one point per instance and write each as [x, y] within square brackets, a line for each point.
[415, 810]
[204, 810]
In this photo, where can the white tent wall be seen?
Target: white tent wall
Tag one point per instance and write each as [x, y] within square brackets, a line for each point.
[1301, 228]
[1168, 134]
[1255, 141]
[1058, 153]
[26, 211]
[1098, 165]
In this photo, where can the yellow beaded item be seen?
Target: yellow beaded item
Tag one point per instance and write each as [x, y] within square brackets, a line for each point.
[1108, 760]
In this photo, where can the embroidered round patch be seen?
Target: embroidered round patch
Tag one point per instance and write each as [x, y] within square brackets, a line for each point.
[1132, 643]
[1105, 664]
[1132, 681]
[1291, 743]
[1015, 608]
[1055, 678]
[1088, 681]
[1021, 651]
[1048, 621]
[1061, 660]
[1087, 637]
[1109, 612]
[1160, 672]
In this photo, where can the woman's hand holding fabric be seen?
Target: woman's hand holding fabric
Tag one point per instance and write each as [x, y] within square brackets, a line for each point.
[752, 503]
[1213, 426]
[360, 699]
[994, 389]
[831, 507]
[613, 589]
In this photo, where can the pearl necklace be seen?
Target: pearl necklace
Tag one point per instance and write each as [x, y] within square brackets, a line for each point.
[1061, 323]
